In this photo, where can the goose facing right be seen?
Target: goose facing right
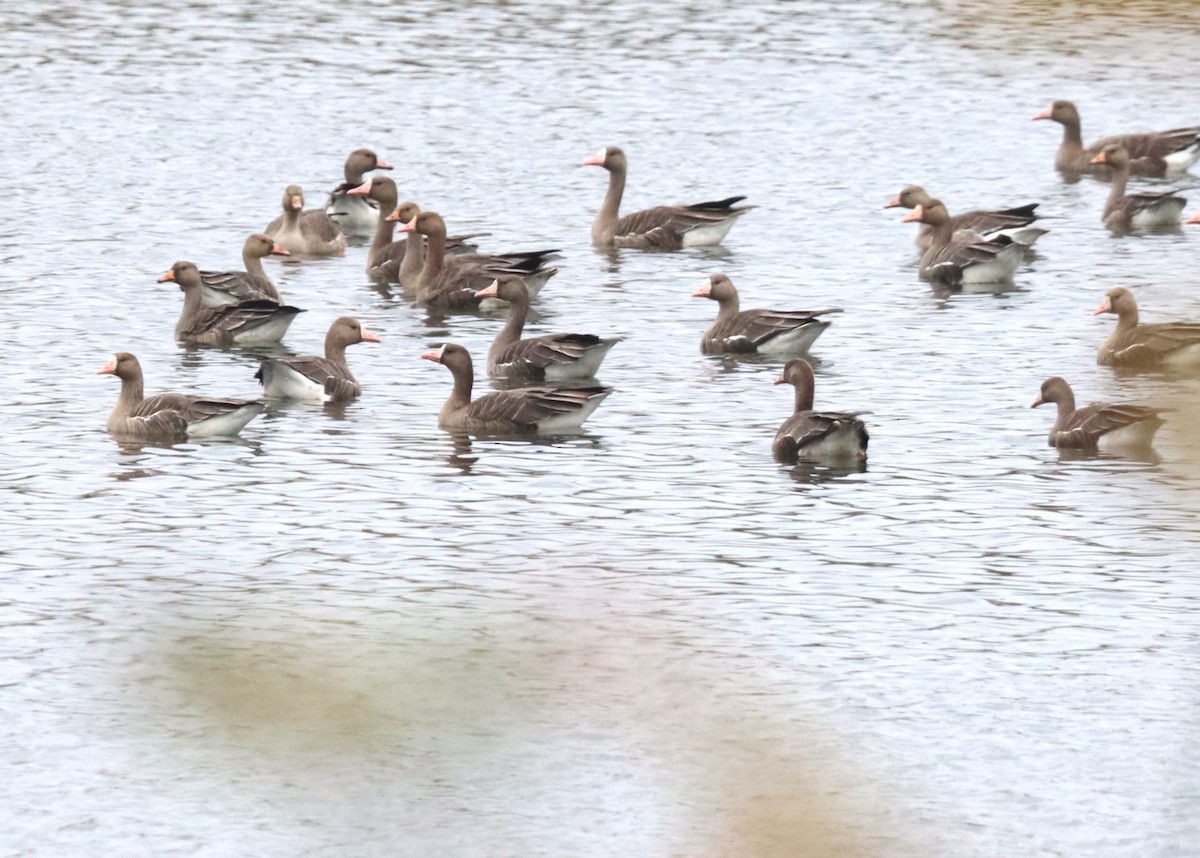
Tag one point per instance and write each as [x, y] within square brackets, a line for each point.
[253, 284]
[353, 214]
[318, 379]
[771, 332]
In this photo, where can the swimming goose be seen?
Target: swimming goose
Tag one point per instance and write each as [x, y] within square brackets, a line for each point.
[1101, 425]
[355, 215]
[554, 357]
[1151, 153]
[769, 332]
[384, 255]
[963, 258]
[310, 232]
[1145, 210]
[521, 411]
[318, 379]
[247, 323]
[809, 434]
[170, 416]
[662, 227]
[1170, 344]
[451, 282]
[1014, 222]
[253, 284]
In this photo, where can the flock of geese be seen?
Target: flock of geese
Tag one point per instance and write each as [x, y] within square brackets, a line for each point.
[440, 271]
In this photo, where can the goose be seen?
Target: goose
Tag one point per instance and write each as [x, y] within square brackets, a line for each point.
[809, 434]
[1101, 425]
[1151, 153]
[1014, 223]
[318, 379]
[554, 357]
[1128, 212]
[962, 258]
[1167, 344]
[759, 331]
[309, 232]
[253, 284]
[355, 215]
[662, 227]
[170, 416]
[524, 410]
[247, 323]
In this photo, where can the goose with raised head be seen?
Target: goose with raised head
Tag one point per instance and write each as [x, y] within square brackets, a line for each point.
[771, 332]
[1163, 344]
[170, 416]
[312, 232]
[450, 282]
[1129, 212]
[1099, 426]
[253, 284]
[955, 259]
[521, 411]
[1151, 153]
[661, 227]
[1016, 223]
[553, 357]
[355, 215]
[810, 434]
[247, 323]
[318, 379]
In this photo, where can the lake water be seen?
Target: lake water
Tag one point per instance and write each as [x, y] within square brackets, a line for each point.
[347, 635]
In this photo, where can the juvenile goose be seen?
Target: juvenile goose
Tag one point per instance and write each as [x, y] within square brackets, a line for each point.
[247, 323]
[318, 379]
[1014, 223]
[1126, 212]
[554, 357]
[1151, 153]
[521, 411]
[170, 416]
[809, 434]
[1101, 425]
[1170, 344]
[253, 284]
[355, 215]
[451, 282]
[662, 227]
[310, 232]
[963, 258]
[769, 332]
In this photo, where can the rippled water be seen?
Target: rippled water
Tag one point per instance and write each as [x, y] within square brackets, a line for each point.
[347, 635]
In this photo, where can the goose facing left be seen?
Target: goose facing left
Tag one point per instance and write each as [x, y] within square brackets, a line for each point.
[247, 323]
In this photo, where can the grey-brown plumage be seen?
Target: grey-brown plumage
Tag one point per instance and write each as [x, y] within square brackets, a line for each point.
[737, 331]
[661, 227]
[318, 378]
[355, 215]
[247, 323]
[522, 411]
[1015, 222]
[253, 284]
[1144, 210]
[1140, 346]
[553, 357]
[311, 232]
[1100, 425]
[450, 282]
[954, 259]
[809, 434]
[1151, 153]
[170, 416]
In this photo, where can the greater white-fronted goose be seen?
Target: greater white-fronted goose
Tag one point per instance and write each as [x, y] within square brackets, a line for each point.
[1101, 425]
[1151, 153]
[554, 357]
[770, 332]
[355, 215]
[384, 255]
[318, 379]
[524, 410]
[170, 416]
[1194, 218]
[963, 258]
[1126, 212]
[662, 227]
[312, 232]
[247, 323]
[1014, 223]
[1169, 344]
[413, 258]
[253, 284]
[809, 434]
[451, 282]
